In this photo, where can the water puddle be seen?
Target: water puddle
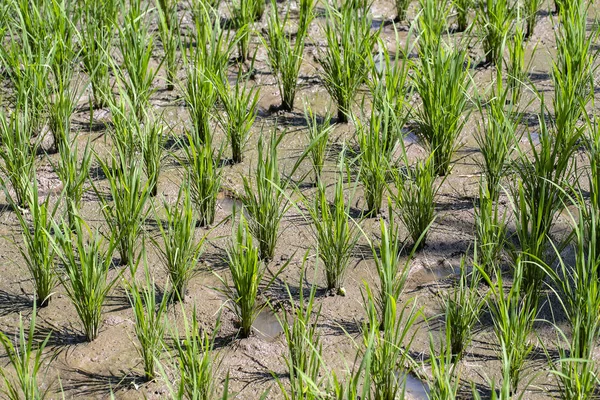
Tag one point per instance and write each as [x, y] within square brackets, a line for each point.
[535, 138]
[411, 138]
[227, 203]
[414, 388]
[431, 274]
[267, 326]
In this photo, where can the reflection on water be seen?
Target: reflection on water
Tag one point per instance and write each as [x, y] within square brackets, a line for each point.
[266, 325]
[414, 388]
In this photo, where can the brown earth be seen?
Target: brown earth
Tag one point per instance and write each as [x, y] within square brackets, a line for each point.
[110, 363]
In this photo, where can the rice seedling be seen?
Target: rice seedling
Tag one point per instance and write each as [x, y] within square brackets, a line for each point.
[73, 173]
[462, 305]
[445, 381]
[537, 198]
[389, 357]
[168, 29]
[136, 44]
[284, 57]
[517, 69]
[265, 202]
[318, 137]
[18, 153]
[431, 23]
[578, 291]
[149, 321]
[178, 248]
[374, 158]
[27, 55]
[202, 64]
[442, 83]
[463, 8]
[391, 92]
[496, 137]
[243, 14]
[247, 273]
[204, 178]
[152, 142]
[125, 211]
[513, 314]
[98, 24]
[194, 360]
[85, 276]
[64, 95]
[240, 104]
[490, 232]
[346, 57]
[573, 70]
[26, 358]
[495, 19]
[531, 7]
[391, 271]
[37, 250]
[303, 360]
[415, 199]
[335, 234]
[401, 9]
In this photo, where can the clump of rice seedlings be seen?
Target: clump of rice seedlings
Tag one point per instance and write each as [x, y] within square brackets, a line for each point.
[442, 83]
[490, 232]
[240, 104]
[346, 57]
[335, 234]
[579, 292]
[516, 68]
[194, 361]
[401, 9]
[18, 153]
[463, 8]
[537, 198]
[168, 29]
[392, 272]
[125, 211]
[531, 7]
[243, 14]
[247, 273]
[304, 361]
[98, 24]
[284, 57]
[152, 143]
[265, 202]
[462, 307]
[73, 173]
[444, 383]
[389, 354]
[85, 276]
[203, 177]
[136, 45]
[149, 321]
[415, 199]
[431, 23]
[37, 249]
[391, 93]
[373, 158]
[573, 70]
[513, 313]
[496, 137]
[64, 96]
[26, 359]
[125, 129]
[178, 248]
[318, 137]
[495, 19]
[202, 64]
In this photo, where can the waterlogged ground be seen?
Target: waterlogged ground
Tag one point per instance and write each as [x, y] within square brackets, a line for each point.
[110, 363]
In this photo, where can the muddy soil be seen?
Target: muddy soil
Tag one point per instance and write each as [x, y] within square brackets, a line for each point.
[111, 363]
